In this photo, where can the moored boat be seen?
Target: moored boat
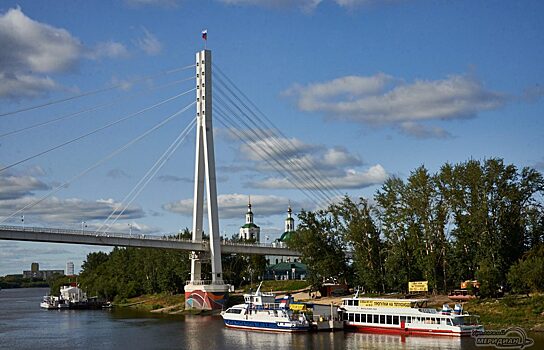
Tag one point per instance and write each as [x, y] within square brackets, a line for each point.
[49, 302]
[406, 316]
[72, 297]
[260, 311]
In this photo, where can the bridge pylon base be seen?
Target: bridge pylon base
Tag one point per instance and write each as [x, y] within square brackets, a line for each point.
[202, 296]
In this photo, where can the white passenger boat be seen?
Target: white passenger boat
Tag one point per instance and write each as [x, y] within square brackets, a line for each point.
[260, 311]
[50, 302]
[406, 316]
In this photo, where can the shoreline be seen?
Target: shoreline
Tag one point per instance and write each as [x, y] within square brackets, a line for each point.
[510, 311]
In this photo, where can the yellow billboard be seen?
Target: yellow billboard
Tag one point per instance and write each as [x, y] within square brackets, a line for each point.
[297, 307]
[418, 286]
[384, 303]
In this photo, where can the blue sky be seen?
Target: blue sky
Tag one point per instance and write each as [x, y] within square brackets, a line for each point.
[365, 89]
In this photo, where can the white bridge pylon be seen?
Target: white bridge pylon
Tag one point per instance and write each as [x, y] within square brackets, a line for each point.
[201, 294]
[205, 172]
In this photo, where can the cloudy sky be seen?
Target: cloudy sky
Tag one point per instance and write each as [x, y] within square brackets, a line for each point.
[361, 90]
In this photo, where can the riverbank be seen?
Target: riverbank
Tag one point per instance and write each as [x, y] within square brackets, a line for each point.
[171, 304]
[516, 310]
[523, 311]
[519, 310]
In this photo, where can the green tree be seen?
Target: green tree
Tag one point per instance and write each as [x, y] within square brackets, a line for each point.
[322, 248]
[358, 227]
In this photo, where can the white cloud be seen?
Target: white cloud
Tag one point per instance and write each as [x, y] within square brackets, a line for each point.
[339, 156]
[31, 45]
[351, 179]
[14, 186]
[325, 166]
[305, 5]
[235, 205]
[31, 50]
[109, 49]
[381, 99]
[14, 86]
[423, 132]
[157, 3]
[117, 174]
[149, 43]
[71, 210]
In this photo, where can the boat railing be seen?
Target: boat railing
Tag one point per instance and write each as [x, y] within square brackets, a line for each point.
[205, 282]
[428, 310]
[271, 306]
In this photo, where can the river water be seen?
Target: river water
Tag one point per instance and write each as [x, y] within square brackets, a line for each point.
[23, 325]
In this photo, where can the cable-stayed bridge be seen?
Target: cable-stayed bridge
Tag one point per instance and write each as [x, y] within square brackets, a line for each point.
[235, 112]
[116, 239]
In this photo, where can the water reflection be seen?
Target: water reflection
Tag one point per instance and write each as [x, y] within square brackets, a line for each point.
[23, 325]
[385, 341]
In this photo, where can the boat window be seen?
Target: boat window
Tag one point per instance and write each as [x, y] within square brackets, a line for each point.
[345, 317]
[389, 319]
[382, 319]
[458, 321]
[409, 319]
[350, 317]
[376, 319]
[403, 319]
[363, 317]
[234, 311]
[357, 318]
[356, 302]
[395, 320]
[449, 322]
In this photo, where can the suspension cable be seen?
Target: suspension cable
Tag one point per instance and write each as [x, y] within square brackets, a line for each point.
[148, 176]
[100, 162]
[95, 130]
[94, 92]
[94, 108]
[303, 175]
[311, 166]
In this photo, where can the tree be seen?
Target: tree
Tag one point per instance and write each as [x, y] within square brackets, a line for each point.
[359, 230]
[322, 248]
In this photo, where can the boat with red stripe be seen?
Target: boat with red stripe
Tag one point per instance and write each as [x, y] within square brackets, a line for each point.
[406, 316]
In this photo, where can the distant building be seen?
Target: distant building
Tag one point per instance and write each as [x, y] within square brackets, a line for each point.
[249, 230]
[43, 274]
[70, 268]
[34, 267]
[282, 242]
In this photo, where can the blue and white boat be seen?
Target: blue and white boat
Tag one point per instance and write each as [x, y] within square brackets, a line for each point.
[260, 311]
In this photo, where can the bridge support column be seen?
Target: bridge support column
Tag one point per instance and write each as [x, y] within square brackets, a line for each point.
[213, 293]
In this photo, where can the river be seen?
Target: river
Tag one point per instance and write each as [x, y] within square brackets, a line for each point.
[23, 325]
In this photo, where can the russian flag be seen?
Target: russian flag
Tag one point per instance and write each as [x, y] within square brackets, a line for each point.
[205, 34]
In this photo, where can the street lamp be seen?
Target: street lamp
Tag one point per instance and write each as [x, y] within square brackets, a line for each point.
[83, 225]
[130, 229]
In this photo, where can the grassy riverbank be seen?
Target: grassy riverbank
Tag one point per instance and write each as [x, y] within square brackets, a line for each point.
[523, 311]
[168, 303]
[175, 303]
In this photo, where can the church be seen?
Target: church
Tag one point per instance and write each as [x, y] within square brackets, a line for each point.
[278, 267]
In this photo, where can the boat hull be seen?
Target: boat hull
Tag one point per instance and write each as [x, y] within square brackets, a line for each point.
[265, 326]
[408, 331]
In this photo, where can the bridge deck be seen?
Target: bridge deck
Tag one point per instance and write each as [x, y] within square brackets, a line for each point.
[56, 235]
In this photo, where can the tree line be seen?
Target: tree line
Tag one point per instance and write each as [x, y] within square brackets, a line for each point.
[474, 220]
[128, 272]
